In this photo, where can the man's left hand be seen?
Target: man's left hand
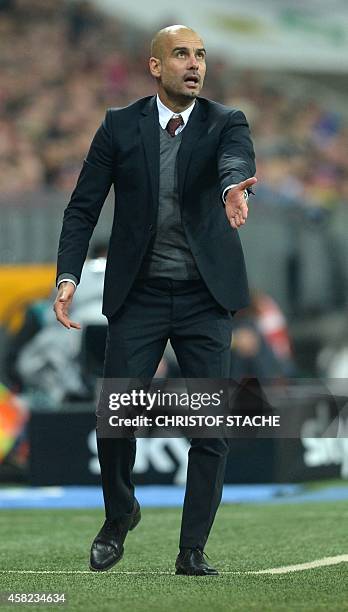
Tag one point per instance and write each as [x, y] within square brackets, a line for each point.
[236, 205]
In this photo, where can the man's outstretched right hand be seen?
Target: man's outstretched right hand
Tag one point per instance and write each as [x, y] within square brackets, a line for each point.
[62, 304]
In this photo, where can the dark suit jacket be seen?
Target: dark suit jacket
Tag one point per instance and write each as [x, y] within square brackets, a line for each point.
[216, 151]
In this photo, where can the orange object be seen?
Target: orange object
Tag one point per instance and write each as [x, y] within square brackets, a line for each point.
[13, 416]
[20, 285]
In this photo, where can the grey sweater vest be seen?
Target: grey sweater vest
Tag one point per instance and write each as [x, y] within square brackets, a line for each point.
[169, 255]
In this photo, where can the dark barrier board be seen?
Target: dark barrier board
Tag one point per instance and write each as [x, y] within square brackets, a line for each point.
[63, 452]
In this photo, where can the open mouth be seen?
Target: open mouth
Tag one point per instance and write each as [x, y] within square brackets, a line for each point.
[191, 80]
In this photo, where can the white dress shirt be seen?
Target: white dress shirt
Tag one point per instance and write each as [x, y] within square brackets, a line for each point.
[165, 114]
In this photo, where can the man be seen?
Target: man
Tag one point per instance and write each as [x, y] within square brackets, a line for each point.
[181, 166]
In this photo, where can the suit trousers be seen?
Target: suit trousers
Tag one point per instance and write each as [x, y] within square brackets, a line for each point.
[199, 330]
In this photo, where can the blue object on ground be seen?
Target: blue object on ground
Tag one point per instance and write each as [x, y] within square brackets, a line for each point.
[162, 496]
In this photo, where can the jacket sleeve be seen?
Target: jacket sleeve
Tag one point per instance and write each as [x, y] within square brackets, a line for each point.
[236, 156]
[82, 213]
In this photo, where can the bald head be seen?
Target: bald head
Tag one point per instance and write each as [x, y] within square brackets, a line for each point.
[160, 40]
[178, 64]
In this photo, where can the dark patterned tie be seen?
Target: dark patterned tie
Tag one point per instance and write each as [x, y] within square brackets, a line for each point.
[173, 124]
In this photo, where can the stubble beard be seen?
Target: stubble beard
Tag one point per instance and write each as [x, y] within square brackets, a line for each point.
[181, 97]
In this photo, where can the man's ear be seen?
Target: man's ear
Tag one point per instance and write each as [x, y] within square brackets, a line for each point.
[155, 67]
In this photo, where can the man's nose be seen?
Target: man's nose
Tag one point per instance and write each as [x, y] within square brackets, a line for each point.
[193, 62]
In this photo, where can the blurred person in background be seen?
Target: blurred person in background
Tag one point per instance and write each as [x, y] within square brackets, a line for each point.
[261, 355]
[43, 357]
[332, 359]
[261, 345]
[182, 167]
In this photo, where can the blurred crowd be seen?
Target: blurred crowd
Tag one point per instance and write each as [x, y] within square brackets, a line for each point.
[63, 63]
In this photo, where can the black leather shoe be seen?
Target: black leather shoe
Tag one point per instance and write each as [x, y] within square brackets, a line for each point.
[107, 547]
[191, 562]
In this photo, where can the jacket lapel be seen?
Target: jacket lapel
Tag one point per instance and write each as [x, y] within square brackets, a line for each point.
[193, 131]
[150, 135]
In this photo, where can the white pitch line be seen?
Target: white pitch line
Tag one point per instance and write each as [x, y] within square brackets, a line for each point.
[325, 561]
[304, 566]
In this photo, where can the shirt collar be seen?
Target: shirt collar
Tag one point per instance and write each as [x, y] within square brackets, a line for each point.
[164, 113]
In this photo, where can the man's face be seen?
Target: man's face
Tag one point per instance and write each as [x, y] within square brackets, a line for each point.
[181, 69]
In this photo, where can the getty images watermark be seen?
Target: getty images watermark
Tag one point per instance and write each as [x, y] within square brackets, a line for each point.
[217, 408]
[174, 401]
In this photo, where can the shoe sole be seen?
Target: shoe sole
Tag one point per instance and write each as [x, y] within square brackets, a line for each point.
[180, 572]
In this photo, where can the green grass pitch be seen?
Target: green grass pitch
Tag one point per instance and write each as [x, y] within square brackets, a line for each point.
[245, 537]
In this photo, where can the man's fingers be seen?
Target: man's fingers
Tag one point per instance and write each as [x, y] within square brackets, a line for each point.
[75, 325]
[247, 183]
[236, 209]
[61, 315]
[64, 320]
[244, 210]
[239, 214]
[236, 221]
[60, 307]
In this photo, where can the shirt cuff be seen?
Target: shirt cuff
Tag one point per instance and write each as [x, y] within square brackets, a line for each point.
[67, 277]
